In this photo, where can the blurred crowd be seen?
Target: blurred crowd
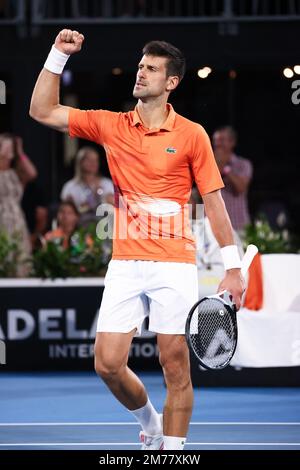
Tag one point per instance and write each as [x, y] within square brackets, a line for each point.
[24, 209]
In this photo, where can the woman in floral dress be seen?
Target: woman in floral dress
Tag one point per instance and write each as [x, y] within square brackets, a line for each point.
[15, 171]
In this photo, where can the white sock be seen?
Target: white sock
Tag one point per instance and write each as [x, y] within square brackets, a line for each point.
[174, 443]
[148, 418]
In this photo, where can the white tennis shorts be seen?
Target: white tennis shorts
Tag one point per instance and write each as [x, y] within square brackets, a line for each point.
[134, 289]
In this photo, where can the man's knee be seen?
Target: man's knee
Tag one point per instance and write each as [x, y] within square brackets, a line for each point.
[108, 368]
[111, 354]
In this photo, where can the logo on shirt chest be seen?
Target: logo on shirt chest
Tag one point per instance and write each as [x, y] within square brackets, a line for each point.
[171, 150]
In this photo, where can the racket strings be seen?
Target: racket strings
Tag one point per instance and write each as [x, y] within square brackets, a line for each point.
[212, 333]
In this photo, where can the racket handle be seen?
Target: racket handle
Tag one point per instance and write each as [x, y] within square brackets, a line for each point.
[248, 258]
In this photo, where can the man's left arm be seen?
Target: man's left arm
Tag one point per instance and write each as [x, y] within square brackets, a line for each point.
[221, 226]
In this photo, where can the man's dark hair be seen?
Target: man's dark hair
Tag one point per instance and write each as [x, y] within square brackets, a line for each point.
[176, 59]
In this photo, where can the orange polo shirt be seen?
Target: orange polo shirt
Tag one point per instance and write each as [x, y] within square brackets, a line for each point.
[153, 172]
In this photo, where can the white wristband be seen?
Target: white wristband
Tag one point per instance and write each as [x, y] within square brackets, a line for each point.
[231, 257]
[56, 61]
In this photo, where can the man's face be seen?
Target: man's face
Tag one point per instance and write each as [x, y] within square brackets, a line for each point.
[151, 77]
[223, 141]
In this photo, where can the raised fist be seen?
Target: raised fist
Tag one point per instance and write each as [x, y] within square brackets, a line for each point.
[68, 41]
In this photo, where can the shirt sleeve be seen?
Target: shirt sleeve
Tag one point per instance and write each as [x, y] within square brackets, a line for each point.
[91, 124]
[203, 164]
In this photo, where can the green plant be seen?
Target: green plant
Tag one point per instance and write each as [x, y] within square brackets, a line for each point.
[10, 254]
[86, 256]
[266, 239]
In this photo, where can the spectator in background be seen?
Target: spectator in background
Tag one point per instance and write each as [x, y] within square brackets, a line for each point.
[34, 205]
[236, 173]
[67, 219]
[88, 189]
[16, 170]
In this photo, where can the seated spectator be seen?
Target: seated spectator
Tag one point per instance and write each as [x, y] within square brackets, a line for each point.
[236, 173]
[67, 219]
[16, 170]
[88, 189]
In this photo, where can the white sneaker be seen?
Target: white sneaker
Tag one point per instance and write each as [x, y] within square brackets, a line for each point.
[155, 442]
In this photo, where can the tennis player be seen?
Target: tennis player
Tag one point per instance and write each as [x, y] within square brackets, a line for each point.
[154, 154]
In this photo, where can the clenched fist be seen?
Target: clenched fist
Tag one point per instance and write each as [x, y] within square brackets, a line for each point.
[68, 41]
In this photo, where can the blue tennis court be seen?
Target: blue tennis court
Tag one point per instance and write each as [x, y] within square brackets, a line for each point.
[76, 411]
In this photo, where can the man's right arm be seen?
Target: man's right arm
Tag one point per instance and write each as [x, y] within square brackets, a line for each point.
[45, 107]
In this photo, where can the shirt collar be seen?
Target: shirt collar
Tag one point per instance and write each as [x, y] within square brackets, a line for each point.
[167, 125]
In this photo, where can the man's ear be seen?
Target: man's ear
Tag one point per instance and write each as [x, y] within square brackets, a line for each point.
[172, 83]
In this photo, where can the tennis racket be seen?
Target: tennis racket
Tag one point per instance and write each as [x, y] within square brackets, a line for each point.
[211, 326]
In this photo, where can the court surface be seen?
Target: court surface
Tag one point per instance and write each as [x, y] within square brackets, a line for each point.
[76, 411]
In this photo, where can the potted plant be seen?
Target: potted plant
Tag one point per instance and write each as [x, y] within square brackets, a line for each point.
[86, 256]
[10, 254]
